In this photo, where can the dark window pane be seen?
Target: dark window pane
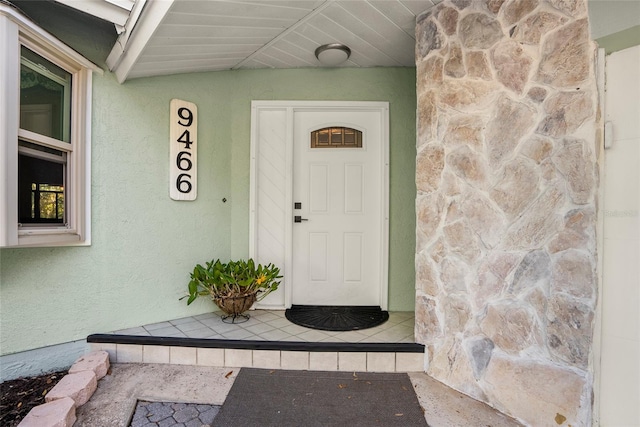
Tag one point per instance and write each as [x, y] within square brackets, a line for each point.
[336, 136]
[323, 136]
[40, 187]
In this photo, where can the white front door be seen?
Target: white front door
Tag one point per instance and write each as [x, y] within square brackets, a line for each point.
[338, 194]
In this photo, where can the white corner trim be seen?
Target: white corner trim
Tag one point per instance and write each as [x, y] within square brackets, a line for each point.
[124, 4]
[253, 220]
[145, 18]
[9, 97]
[384, 266]
[86, 232]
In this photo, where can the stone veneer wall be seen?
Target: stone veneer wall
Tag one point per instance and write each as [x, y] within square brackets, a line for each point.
[506, 205]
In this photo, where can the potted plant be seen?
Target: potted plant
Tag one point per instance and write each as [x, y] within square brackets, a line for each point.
[233, 286]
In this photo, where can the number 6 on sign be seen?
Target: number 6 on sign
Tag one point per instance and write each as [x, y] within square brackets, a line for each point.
[183, 142]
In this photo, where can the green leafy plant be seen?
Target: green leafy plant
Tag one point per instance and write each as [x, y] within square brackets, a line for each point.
[220, 280]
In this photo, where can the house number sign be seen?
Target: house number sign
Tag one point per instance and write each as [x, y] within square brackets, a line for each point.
[183, 133]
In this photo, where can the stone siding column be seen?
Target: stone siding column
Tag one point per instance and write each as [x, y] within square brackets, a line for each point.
[506, 204]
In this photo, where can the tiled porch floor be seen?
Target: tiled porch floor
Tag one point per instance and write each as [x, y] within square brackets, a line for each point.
[272, 325]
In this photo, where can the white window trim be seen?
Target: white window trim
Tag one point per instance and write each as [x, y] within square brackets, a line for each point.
[16, 31]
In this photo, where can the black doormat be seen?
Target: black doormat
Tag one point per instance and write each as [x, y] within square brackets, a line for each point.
[336, 318]
[261, 397]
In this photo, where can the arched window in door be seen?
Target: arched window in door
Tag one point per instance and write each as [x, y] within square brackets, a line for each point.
[336, 137]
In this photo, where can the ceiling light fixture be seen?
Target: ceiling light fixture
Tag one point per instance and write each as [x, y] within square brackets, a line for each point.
[332, 54]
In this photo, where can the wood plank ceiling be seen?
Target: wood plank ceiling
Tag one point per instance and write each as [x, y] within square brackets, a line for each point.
[196, 35]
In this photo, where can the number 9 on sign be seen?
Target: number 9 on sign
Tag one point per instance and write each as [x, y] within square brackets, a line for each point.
[183, 150]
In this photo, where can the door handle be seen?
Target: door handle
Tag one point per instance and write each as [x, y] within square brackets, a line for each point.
[298, 218]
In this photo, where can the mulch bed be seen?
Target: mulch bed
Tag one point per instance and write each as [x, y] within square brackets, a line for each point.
[19, 396]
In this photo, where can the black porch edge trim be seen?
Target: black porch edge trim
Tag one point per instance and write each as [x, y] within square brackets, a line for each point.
[257, 345]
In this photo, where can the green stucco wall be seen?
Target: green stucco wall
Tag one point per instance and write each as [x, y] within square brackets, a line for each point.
[620, 40]
[143, 243]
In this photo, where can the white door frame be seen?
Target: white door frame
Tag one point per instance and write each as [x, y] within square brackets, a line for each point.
[271, 233]
[614, 233]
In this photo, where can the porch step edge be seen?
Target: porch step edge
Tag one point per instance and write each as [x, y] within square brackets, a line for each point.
[257, 344]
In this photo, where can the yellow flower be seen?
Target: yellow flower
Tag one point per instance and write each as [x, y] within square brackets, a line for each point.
[260, 280]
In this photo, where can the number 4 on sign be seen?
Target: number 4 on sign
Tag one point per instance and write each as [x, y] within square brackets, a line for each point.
[183, 150]
[184, 138]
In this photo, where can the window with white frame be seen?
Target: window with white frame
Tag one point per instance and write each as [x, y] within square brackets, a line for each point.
[45, 110]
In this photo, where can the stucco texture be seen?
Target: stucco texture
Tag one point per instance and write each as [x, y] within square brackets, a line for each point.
[143, 243]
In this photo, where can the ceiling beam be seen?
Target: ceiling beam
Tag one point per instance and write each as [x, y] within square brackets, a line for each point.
[138, 32]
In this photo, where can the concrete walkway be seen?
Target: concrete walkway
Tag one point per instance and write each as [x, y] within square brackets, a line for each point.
[114, 402]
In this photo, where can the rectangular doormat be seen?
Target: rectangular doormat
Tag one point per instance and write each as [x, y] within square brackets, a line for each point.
[262, 397]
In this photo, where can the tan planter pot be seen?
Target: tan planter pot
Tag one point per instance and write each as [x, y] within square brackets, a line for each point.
[235, 305]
